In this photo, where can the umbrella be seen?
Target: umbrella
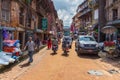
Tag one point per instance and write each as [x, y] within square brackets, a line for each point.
[109, 29]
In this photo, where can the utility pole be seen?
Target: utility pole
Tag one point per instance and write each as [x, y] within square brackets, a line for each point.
[102, 18]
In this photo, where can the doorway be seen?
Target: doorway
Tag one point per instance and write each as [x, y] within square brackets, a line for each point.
[21, 37]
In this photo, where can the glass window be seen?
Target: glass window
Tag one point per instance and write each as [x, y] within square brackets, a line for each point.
[87, 39]
[5, 10]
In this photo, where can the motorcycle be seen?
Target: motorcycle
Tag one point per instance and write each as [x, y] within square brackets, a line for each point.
[110, 50]
[54, 48]
[66, 48]
[111, 47]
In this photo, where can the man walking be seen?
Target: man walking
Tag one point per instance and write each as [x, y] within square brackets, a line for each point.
[30, 45]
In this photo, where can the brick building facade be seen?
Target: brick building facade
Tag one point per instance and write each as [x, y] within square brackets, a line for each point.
[23, 18]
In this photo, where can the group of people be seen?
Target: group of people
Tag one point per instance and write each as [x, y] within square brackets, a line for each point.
[31, 46]
[51, 42]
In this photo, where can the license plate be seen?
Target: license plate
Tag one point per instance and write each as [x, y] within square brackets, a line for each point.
[89, 50]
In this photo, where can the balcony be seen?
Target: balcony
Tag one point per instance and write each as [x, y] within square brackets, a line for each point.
[94, 3]
[113, 4]
[83, 8]
[85, 12]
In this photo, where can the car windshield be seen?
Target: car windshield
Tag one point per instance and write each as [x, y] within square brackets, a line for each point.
[87, 39]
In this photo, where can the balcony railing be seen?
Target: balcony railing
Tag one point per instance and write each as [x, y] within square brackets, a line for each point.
[85, 12]
[94, 3]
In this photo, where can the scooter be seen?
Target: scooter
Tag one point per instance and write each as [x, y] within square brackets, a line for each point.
[55, 48]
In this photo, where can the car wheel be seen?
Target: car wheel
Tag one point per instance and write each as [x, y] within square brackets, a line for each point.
[70, 47]
[78, 52]
[76, 48]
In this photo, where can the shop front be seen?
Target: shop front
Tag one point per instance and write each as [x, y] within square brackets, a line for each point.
[38, 37]
[116, 24]
[9, 46]
[28, 33]
[6, 33]
[21, 36]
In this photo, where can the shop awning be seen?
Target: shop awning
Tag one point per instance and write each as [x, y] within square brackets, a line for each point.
[20, 29]
[116, 22]
[8, 28]
[39, 30]
[29, 31]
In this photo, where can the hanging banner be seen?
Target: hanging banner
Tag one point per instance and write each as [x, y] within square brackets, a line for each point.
[44, 24]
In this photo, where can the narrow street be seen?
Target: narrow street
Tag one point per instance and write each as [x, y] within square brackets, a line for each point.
[59, 67]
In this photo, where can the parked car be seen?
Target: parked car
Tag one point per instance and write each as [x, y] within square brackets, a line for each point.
[69, 39]
[86, 44]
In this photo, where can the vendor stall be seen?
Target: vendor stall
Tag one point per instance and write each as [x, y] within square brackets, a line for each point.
[9, 48]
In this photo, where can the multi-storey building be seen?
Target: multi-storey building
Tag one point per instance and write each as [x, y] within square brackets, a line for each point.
[85, 15]
[113, 14]
[76, 20]
[23, 18]
[95, 13]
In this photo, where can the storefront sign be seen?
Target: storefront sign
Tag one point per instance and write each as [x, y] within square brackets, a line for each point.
[44, 24]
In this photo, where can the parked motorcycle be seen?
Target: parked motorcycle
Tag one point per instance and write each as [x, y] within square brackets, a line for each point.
[111, 47]
[110, 50]
[55, 48]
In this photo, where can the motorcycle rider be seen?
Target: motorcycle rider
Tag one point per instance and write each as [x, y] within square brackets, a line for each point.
[55, 42]
[65, 42]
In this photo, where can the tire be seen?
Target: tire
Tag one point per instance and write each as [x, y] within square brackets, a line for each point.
[54, 52]
[78, 52]
[70, 47]
[65, 52]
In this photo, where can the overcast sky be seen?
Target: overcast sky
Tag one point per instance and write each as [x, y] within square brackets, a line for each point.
[66, 9]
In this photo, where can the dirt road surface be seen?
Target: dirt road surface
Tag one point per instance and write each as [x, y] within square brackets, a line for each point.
[47, 66]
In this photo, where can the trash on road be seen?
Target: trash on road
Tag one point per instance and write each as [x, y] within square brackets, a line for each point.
[113, 71]
[95, 72]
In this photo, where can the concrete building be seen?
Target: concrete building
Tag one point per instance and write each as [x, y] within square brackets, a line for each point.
[113, 14]
[95, 14]
[85, 16]
[76, 20]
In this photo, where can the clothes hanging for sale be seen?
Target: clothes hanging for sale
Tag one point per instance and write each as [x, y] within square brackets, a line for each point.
[5, 34]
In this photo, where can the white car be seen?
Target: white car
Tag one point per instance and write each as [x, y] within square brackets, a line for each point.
[69, 39]
[86, 44]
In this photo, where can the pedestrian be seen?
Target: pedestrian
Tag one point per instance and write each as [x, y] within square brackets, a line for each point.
[49, 42]
[37, 43]
[30, 45]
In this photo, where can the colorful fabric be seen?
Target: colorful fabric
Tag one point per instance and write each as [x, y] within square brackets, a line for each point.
[5, 34]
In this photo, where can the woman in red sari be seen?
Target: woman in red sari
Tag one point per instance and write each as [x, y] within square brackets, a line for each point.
[49, 43]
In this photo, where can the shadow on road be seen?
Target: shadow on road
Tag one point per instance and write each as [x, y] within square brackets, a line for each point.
[66, 55]
[53, 54]
[25, 65]
[89, 56]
